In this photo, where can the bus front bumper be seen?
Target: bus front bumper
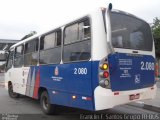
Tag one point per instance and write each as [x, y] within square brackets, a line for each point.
[105, 98]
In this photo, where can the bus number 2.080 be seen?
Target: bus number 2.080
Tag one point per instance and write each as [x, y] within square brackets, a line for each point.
[81, 71]
[147, 65]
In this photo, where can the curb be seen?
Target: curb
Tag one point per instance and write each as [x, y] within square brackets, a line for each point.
[151, 107]
[145, 106]
[136, 104]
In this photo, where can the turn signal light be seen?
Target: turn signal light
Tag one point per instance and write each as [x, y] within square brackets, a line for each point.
[104, 66]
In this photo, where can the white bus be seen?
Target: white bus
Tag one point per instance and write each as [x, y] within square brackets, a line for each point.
[103, 59]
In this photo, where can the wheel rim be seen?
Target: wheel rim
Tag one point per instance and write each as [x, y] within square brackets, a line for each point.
[45, 103]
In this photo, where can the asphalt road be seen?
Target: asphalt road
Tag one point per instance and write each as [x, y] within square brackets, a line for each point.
[27, 108]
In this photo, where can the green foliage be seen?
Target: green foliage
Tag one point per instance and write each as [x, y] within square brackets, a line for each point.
[29, 35]
[156, 34]
[156, 28]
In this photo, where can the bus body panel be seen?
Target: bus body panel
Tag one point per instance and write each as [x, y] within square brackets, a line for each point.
[95, 74]
[17, 78]
[15, 75]
[106, 98]
[32, 83]
[74, 77]
[130, 71]
[99, 48]
[63, 81]
[65, 99]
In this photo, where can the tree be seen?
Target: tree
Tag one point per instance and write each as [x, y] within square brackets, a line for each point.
[156, 34]
[29, 35]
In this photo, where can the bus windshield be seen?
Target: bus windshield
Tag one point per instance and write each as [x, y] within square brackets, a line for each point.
[129, 32]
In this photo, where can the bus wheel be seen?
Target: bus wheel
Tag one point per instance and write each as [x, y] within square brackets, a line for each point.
[11, 93]
[46, 106]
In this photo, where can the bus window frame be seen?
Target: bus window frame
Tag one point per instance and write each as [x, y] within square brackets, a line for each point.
[22, 55]
[55, 46]
[84, 39]
[6, 66]
[138, 19]
[35, 51]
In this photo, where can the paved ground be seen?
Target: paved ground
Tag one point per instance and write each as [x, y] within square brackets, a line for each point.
[153, 104]
[156, 101]
[27, 108]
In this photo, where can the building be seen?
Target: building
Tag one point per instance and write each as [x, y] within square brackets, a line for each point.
[5, 44]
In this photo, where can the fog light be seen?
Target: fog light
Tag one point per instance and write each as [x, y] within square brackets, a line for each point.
[102, 83]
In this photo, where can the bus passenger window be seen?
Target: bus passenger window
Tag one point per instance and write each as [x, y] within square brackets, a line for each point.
[31, 53]
[31, 46]
[77, 47]
[48, 41]
[18, 56]
[50, 46]
[71, 34]
[84, 30]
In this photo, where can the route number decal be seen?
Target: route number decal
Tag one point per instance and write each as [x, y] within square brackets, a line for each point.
[147, 65]
[80, 71]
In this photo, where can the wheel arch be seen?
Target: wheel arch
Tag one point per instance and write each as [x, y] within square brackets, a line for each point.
[9, 83]
[40, 91]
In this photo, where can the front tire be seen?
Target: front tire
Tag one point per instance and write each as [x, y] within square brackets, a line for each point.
[11, 93]
[46, 106]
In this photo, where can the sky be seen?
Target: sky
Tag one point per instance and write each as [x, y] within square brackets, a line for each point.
[20, 17]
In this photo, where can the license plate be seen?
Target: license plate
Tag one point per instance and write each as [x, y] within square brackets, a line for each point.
[134, 96]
